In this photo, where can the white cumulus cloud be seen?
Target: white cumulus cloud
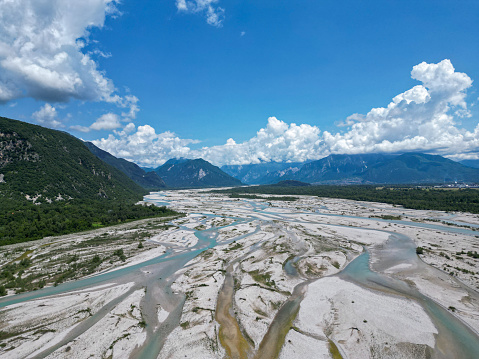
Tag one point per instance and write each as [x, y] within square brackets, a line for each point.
[423, 118]
[214, 14]
[145, 146]
[278, 141]
[41, 50]
[108, 121]
[130, 102]
[47, 116]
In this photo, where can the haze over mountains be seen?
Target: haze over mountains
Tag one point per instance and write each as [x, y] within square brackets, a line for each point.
[262, 173]
[470, 163]
[408, 168]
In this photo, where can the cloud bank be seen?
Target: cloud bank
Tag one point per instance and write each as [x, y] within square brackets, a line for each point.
[42, 56]
[423, 118]
[143, 145]
[278, 141]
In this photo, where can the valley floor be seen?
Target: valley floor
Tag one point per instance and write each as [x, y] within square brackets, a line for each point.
[240, 278]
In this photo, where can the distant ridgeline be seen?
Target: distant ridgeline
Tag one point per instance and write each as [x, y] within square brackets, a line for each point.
[50, 183]
[395, 173]
[263, 173]
[148, 180]
[174, 174]
[408, 168]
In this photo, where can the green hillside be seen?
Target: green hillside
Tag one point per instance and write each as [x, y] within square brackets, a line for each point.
[147, 180]
[50, 183]
[37, 161]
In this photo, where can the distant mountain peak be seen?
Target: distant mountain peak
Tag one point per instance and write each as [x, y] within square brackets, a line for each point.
[190, 173]
[174, 161]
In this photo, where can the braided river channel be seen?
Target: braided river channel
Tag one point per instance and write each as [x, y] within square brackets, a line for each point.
[235, 278]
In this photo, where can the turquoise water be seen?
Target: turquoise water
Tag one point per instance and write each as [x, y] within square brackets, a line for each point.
[88, 282]
[458, 340]
[289, 266]
[206, 240]
[414, 224]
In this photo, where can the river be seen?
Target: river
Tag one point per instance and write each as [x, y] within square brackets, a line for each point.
[455, 338]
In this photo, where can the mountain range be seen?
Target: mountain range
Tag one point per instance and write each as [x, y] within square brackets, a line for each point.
[262, 173]
[470, 163]
[38, 161]
[407, 168]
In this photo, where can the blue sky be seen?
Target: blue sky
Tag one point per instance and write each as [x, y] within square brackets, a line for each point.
[153, 80]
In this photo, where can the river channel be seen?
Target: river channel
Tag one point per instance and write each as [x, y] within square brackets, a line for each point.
[455, 339]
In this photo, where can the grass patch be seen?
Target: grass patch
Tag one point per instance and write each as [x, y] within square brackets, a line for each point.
[267, 198]
[234, 247]
[333, 349]
[118, 339]
[388, 217]
[263, 278]
[6, 335]
[87, 310]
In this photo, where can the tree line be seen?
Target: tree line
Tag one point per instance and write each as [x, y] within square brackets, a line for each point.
[22, 221]
[424, 198]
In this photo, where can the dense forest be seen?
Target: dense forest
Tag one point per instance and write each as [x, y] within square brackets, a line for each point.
[22, 221]
[52, 184]
[463, 200]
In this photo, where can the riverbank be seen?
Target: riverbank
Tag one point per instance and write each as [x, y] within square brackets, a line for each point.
[54, 260]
